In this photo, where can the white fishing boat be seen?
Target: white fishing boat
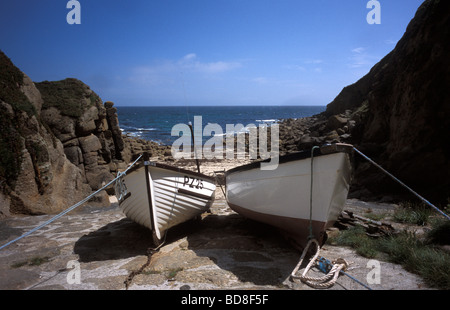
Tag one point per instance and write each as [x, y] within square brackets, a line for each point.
[160, 196]
[301, 198]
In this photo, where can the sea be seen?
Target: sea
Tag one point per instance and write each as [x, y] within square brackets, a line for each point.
[155, 123]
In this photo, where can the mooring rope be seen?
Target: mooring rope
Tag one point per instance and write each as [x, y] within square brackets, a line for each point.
[325, 265]
[333, 269]
[402, 184]
[331, 277]
[70, 208]
[318, 282]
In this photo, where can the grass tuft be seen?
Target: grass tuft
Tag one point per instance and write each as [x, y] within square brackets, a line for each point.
[421, 257]
[412, 213]
[34, 261]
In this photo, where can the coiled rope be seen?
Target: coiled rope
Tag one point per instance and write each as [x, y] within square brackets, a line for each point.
[70, 208]
[331, 277]
[332, 269]
[340, 265]
[318, 282]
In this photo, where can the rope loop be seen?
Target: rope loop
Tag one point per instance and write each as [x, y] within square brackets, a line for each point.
[332, 270]
[119, 187]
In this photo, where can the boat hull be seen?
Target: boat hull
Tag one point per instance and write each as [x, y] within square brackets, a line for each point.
[160, 196]
[282, 197]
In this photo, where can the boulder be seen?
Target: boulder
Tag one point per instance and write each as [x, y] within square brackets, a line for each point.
[98, 176]
[74, 154]
[90, 143]
[86, 123]
[63, 127]
[336, 121]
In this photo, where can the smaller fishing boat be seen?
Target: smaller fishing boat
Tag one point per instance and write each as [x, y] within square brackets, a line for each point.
[303, 196]
[160, 196]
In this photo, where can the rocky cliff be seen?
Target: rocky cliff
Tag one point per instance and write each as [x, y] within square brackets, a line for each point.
[87, 129]
[406, 125]
[399, 113]
[35, 176]
[58, 143]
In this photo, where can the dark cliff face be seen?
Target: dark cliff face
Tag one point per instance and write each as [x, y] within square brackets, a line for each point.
[406, 98]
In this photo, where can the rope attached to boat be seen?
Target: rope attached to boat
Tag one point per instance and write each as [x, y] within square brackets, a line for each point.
[402, 184]
[330, 278]
[318, 282]
[331, 269]
[71, 208]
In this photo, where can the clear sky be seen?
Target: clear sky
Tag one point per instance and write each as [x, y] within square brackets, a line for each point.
[203, 52]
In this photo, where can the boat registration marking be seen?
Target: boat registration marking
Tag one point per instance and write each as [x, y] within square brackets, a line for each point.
[193, 182]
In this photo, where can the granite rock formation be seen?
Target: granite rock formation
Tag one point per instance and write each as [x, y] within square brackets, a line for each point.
[88, 130]
[58, 143]
[35, 176]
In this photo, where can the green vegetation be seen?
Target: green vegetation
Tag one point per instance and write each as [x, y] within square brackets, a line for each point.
[375, 216]
[11, 79]
[34, 261]
[68, 96]
[151, 271]
[11, 141]
[420, 255]
[172, 273]
[11, 129]
[169, 273]
[356, 238]
[415, 255]
[412, 213]
[11, 146]
[363, 108]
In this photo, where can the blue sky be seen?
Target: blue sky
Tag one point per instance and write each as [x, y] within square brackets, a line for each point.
[203, 52]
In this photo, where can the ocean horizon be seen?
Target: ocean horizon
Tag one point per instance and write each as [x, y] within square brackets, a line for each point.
[155, 123]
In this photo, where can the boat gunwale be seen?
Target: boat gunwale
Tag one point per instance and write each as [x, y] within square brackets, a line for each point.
[325, 149]
[172, 168]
